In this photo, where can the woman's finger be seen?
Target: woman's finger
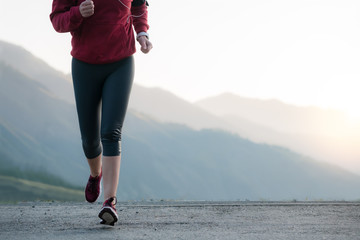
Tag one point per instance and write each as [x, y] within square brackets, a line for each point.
[87, 8]
[149, 45]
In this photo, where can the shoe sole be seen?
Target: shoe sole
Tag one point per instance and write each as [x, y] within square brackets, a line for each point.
[108, 216]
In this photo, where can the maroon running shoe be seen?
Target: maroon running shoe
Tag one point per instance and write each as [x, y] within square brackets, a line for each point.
[108, 213]
[93, 188]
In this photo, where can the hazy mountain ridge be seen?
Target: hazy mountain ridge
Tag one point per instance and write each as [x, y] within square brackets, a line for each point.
[23, 61]
[36, 127]
[160, 160]
[230, 166]
[166, 107]
[322, 134]
[326, 135]
[284, 117]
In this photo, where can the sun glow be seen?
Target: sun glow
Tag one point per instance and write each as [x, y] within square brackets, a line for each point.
[352, 107]
[353, 114]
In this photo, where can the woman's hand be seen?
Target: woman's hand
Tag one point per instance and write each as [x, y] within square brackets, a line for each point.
[87, 8]
[145, 44]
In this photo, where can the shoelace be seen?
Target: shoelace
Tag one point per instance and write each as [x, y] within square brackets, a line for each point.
[110, 201]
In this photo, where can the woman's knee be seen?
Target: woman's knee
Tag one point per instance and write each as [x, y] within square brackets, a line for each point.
[91, 149]
[111, 141]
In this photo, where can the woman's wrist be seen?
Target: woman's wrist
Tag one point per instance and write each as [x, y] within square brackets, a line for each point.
[142, 34]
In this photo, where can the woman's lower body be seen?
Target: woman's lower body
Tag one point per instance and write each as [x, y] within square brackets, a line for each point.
[102, 93]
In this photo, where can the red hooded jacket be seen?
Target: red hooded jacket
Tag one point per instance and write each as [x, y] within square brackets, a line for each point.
[106, 36]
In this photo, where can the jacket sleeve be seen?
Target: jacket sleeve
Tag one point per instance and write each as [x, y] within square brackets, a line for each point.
[65, 15]
[140, 15]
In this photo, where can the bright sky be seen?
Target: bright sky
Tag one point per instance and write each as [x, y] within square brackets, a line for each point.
[304, 52]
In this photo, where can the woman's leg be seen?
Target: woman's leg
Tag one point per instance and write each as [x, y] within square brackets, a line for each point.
[111, 171]
[87, 83]
[95, 165]
[115, 97]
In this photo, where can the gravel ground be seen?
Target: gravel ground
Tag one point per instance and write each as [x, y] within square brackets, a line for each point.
[184, 220]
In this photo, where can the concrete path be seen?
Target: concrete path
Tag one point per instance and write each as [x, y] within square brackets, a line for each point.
[184, 220]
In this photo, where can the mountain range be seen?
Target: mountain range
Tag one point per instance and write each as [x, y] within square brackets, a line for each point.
[323, 134]
[179, 150]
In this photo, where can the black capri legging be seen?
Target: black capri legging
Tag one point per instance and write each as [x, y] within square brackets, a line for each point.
[102, 88]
